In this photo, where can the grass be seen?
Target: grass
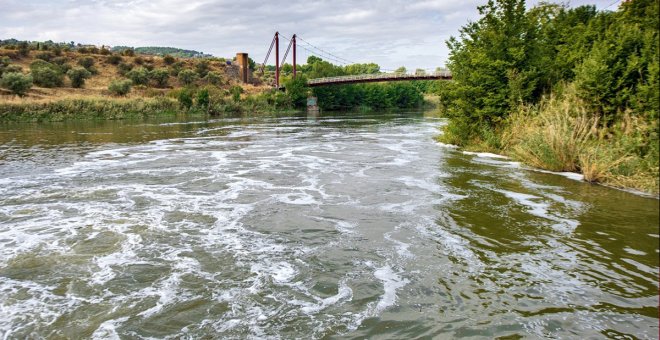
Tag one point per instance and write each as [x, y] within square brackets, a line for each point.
[562, 133]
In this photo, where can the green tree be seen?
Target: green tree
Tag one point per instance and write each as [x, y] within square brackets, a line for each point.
[17, 83]
[77, 75]
[46, 74]
[139, 76]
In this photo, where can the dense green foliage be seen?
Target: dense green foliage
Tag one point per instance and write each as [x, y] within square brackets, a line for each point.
[46, 74]
[520, 73]
[78, 76]
[138, 75]
[15, 82]
[120, 87]
[342, 97]
[513, 55]
[160, 77]
[187, 77]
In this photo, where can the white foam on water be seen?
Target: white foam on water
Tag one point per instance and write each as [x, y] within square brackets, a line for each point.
[108, 329]
[537, 207]
[391, 283]
[344, 294]
[485, 155]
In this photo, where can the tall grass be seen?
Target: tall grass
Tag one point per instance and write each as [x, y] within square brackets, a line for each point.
[86, 108]
[562, 134]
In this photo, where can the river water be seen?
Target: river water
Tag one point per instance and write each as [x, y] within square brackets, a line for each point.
[331, 226]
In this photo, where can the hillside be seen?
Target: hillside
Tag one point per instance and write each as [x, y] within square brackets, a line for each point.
[108, 67]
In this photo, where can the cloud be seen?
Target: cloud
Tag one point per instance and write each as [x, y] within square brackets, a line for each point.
[389, 32]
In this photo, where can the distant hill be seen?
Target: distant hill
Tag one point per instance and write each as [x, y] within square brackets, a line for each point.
[161, 51]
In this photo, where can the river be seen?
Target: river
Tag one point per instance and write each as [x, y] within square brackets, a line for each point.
[333, 226]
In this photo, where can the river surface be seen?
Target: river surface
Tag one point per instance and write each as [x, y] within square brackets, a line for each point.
[331, 226]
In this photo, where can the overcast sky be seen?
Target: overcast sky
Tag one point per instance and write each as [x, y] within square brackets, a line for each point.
[391, 33]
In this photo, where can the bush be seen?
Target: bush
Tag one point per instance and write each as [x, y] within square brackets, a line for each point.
[78, 76]
[138, 60]
[86, 62]
[60, 61]
[120, 87]
[213, 78]
[203, 98]
[129, 52]
[176, 68]
[202, 68]
[168, 59]
[139, 76]
[46, 74]
[160, 77]
[45, 56]
[17, 83]
[13, 69]
[185, 98]
[236, 93]
[124, 68]
[104, 51]
[114, 59]
[187, 77]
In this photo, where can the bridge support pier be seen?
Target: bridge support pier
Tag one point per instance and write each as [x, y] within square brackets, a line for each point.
[244, 67]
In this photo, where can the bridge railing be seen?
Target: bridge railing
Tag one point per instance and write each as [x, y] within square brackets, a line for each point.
[377, 76]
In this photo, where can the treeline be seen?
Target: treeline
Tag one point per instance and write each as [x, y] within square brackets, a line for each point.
[342, 97]
[163, 51]
[588, 77]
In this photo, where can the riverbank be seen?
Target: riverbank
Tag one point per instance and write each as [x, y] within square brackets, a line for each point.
[562, 134]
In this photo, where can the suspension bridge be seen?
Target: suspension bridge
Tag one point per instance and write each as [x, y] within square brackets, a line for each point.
[388, 75]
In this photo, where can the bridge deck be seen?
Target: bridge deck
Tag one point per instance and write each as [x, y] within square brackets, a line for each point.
[370, 78]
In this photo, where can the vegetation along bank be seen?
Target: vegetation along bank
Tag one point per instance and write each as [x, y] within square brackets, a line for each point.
[563, 89]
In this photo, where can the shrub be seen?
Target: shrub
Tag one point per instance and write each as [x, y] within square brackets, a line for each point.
[203, 98]
[124, 68]
[114, 59]
[213, 78]
[78, 76]
[202, 67]
[138, 60]
[149, 66]
[120, 87]
[139, 76]
[83, 50]
[104, 51]
[45, 56]
[168, 59]
[17, 83]
[160, 77]
[86, 62]
[59, 60]
[23, 49]
[236, 93]
[13, 69]
[57, 50]
[129, 52]
[187, 77]
[46, 74]
[176, 68]
[185, 98]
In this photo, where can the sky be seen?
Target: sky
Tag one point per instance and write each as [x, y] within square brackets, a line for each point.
[391, 33]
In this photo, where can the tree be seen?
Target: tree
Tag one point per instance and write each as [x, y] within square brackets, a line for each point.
[401, 70]
[78, 76]
[46, 74]
[139, 76]
[17, 83]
